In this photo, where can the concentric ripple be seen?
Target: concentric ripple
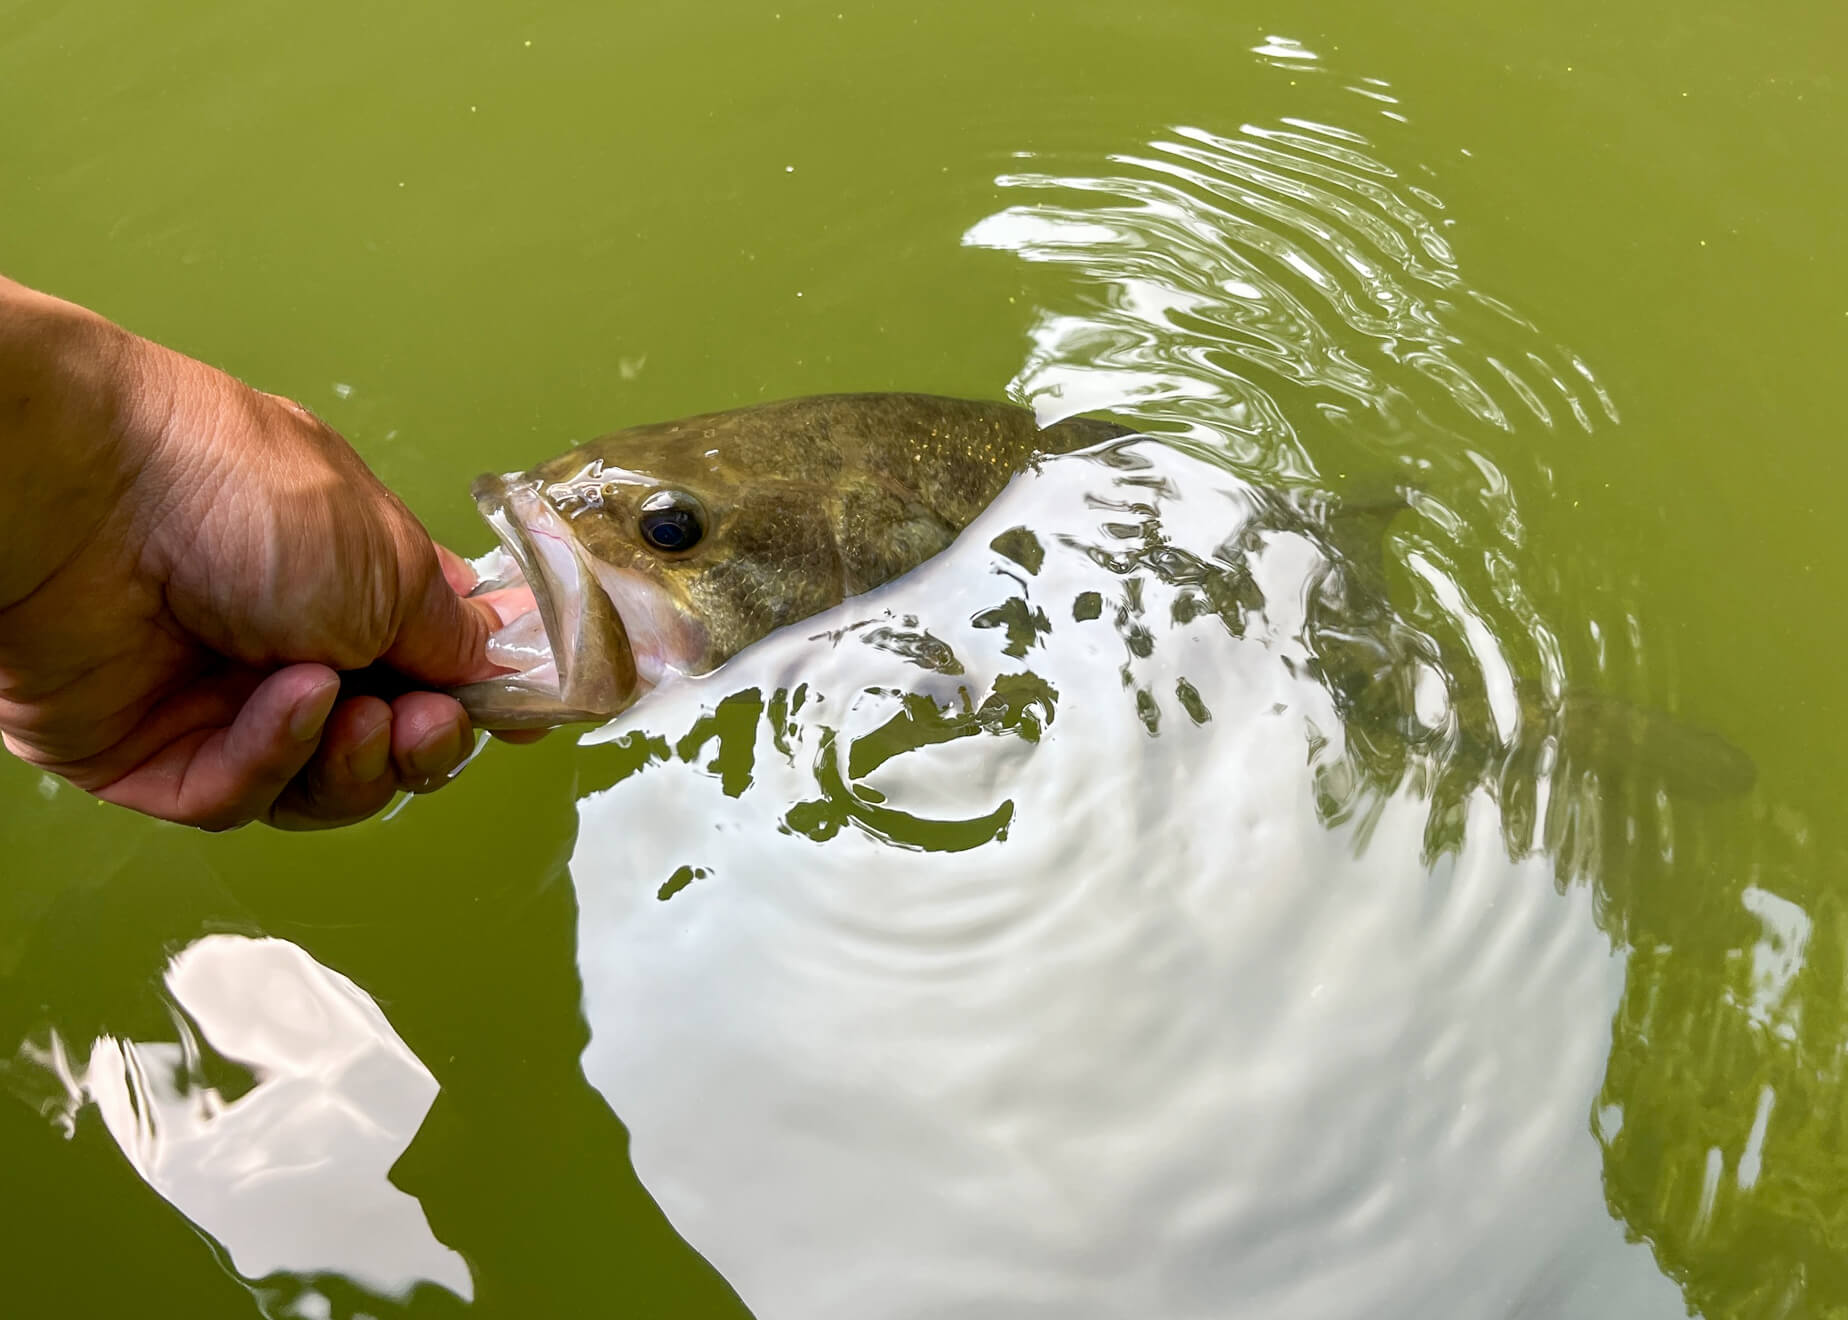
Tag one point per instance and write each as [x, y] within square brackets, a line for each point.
[1152, 905]
[1244, 283]
[1037, 984]
[1284, 301]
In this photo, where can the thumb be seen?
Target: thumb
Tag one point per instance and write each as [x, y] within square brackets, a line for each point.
[442, 638]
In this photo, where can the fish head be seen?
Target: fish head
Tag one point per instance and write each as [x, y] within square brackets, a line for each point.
[669, 548]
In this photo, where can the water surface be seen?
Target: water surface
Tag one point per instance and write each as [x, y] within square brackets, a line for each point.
[964, 950]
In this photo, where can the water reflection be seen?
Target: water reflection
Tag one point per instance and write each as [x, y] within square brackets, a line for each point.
[1201, 882]
[463, 937]
[1720, 1112]
[1033, 978]
[1225, 875]
[271, 1119]
[1240, 287]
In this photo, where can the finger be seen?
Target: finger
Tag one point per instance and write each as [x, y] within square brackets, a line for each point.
[508, 604]
[350, 776]
[442, 638]
[430, 739]
[457, 571]
[217, 778]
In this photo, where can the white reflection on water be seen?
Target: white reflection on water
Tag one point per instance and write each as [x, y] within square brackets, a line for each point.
[273, 1119]
[1169, 928]
[1161, 1044]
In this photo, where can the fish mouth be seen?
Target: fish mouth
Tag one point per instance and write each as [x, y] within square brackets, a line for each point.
[561, 637]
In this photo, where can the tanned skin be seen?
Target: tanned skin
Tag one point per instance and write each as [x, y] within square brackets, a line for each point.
[185, 564]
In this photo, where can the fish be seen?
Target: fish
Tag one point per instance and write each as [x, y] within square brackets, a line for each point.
[669, 547]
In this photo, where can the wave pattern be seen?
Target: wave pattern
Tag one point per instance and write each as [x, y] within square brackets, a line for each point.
[1151, 906]
[1239, 282]
[1122, 866]
[1285, 302]
[1003, 934]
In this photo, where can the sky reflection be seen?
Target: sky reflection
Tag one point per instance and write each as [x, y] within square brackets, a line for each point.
[272, 1121]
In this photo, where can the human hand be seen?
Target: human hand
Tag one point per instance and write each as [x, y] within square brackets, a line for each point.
[191, 566]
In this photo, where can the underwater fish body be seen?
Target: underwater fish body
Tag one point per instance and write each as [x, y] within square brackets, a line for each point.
[672, 546]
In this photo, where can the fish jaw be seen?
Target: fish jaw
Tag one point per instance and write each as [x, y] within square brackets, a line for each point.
[665, 637]
[577, 666]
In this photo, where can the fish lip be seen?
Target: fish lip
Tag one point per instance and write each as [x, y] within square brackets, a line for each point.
[511, 505]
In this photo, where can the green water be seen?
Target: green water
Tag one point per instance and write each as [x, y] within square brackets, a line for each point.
[468, 238]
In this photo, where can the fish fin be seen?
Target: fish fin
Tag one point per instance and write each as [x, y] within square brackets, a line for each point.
[1356, 528]
[1605, 733]
[1081, 432]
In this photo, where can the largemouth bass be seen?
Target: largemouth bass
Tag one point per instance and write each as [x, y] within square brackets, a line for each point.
[671, 547]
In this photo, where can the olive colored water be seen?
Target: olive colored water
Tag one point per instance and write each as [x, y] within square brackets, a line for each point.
[470, 238]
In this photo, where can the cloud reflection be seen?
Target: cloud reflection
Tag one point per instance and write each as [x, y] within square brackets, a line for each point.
[271, 1120]
[1062, 996]
[1170, 918]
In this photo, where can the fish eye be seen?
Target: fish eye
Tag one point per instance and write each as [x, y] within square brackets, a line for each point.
[671, 521]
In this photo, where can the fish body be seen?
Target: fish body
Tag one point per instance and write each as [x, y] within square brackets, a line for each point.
[670, 547]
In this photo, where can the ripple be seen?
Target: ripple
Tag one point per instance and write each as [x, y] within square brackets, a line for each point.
[1165, 1037]
[1164, 895]
[1283, 300]
[1285, 271]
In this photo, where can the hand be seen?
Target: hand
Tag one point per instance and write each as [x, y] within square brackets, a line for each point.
[192, 563]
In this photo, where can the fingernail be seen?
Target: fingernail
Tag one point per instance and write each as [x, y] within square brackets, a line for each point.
[305, 725]
[368, 760]
[437, 755]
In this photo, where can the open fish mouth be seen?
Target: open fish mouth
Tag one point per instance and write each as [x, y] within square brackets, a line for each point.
[561, 637]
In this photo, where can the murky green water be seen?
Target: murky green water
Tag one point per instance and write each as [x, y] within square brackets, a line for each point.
[470, 238]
